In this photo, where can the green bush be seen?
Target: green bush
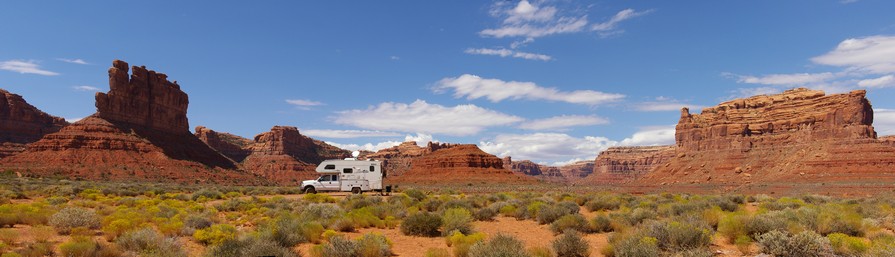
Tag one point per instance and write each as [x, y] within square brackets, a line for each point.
[458, 219]
[601, 203]
[570, 221]
[73, 217]
[148, 242]
[339, 246]
[846, 245]
[550, 213]
[421, 224]
[733, 225]
[415, 194]
[806, 243]
[215, 234]
[570, 244]
[499, 246]
[288, 231]
[639, 215]
[763, 223]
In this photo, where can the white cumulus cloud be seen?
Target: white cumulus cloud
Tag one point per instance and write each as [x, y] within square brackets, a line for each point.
[657, 135]
[25, 67]
[420, 139]
[420, 116]
[562, 122]
[495, 90]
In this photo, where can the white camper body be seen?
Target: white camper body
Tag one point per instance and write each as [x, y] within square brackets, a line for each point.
[347, 175]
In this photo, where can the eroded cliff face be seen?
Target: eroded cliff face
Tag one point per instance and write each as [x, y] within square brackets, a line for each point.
[798, 140]
[561, 174]
[287, 157]
[22, 124]
[234, 147]
[398, 159]
[623, 163]
[138, 133]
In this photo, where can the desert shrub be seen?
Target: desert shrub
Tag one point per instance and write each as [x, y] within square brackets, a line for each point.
[699, 252]
[507, 210]
[601, 203]
[540, 251]
[432, 204]
[461, 243]
[743, 242]
[600, 223]
[37, 249]
[846, 245]
[373, 245]
[678, 236]
[840, 221]
[207, 194]
[633, 246]
[437, 252]
[782, 203]
[639, 215]
[288, 231]
[763, 223]
[215, 234]
[733, 225]
[147, 241]
[499, 246]
[485, 214]
[196, 221]
[415, 194]
[79, 246]
[319, 198]
[549, 213]
[72, 217]
[8, 236]
[339, 246]
[421, 224]
[726, 204]
[807, 243]
[570, 244]
[321, 212]
[458, 219]
[249, 246]
[343, 225]
[569, 222]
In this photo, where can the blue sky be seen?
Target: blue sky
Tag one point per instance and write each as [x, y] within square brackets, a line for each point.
[552, 81]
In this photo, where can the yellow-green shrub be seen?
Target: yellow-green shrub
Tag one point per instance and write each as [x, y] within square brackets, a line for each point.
[733, 225]
[437, 252]
[79, 246]
[848, 245]
[215, 234]
[461, 243]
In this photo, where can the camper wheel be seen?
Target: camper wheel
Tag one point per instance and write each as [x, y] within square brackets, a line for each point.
[310, 190]
[355, 190]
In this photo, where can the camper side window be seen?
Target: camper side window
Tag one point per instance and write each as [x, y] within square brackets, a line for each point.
[330, 167]
[372, 168]
[347, 170]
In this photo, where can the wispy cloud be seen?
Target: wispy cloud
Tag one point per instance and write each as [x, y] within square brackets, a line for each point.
[531, 21]
[394, 58]
[75, 61]
[495, 90]
[330, 133]
[25, 67]
[303, 104]
[423, 117]
[663, 104]
[419, 138]
[867, 62]
[87, 88]
[563, 122]
[502, 52]
[610, 27]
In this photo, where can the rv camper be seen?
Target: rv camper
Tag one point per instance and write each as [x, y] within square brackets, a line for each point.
[348, 175]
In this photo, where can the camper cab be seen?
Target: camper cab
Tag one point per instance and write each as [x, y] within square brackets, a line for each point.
[348, 175]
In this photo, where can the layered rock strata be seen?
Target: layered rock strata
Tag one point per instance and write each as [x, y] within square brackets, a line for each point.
[623, 163]
[285, 156]
[234, 147]
[22, 124]
[458, 164]
[140, 132]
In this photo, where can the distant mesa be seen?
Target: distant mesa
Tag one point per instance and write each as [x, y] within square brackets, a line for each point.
[285, 156]
[140, 132]
[446, 164]
[798, 141]
[569, 174]
[22, 124]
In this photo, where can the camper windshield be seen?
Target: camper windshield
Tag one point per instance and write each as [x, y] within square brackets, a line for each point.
[324, 178]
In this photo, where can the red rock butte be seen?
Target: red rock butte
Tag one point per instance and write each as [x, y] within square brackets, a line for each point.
[799, 141]
[447, 164]
[140, 132]
[22, 123]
